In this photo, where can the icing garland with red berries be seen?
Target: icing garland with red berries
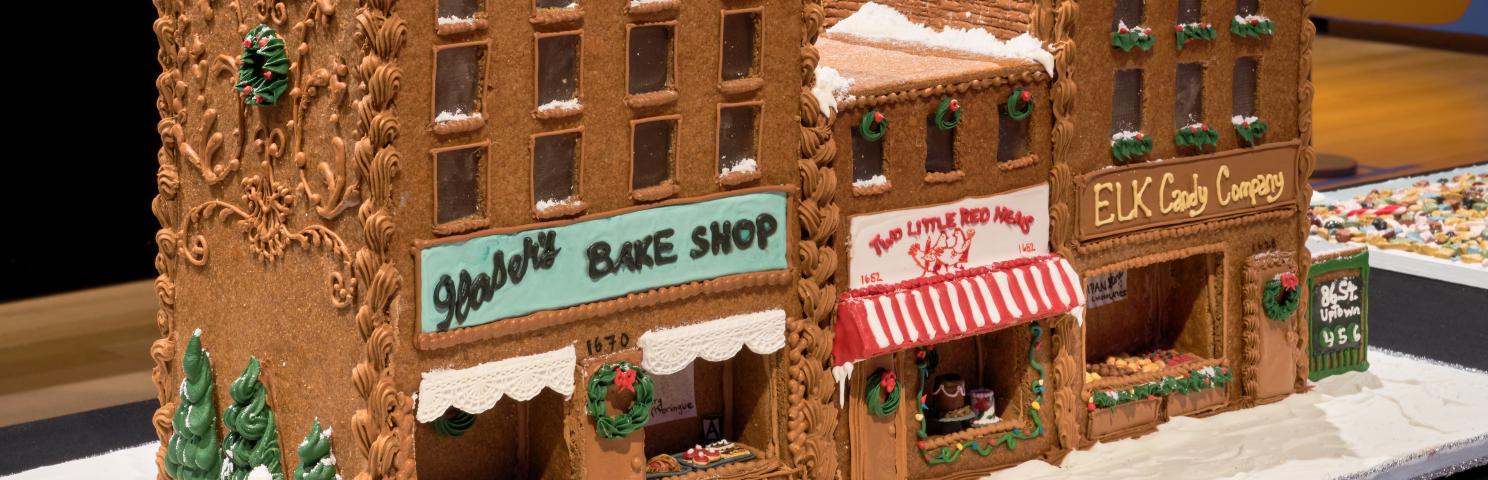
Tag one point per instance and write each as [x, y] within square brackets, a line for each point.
[628, 377]
[263, 69]
[882, 393]
[926, 359]
[1281, 297]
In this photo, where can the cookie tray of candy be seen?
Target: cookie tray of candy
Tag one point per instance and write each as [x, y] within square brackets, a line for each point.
[1444, 219]
[699, 457]
[1124, 365]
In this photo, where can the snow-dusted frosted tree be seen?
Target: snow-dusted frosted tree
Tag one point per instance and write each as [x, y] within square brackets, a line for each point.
[316, 460]
[252, 438]
[192, 452]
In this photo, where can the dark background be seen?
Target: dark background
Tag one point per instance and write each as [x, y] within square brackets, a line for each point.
[81, 172]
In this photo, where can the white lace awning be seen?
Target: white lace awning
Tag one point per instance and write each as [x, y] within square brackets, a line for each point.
[664, 352]
[476, 389]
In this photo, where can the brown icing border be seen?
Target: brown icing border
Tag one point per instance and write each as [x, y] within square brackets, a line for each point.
[1019, 76]
[577, 188]
[537, 38]
[478, 119]
[470, 222]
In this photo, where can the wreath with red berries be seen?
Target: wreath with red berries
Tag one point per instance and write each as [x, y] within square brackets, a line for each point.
[882, 404]
[628, 377]
[263, 69]
[1281, 296]
[1019, 104]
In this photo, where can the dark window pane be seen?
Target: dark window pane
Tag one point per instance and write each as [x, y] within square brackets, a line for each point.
[736, 135]
[1012, 136]
[651, 153]
[557, 3]
[557, 68]
[868, 158]
[940, 147]
[553, 160]
[1247, 7]
[1243, 92]
[650, 58]
[1126, 101]
[1189, 94]
[458, 9]
[457, 86]
[1128, 12]
[1190, 11]
[740, 41]
[458, 183]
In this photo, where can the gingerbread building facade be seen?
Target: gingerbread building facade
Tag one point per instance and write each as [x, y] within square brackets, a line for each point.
[719, 239]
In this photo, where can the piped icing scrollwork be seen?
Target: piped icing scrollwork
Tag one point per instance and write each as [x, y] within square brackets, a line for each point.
[812, 416]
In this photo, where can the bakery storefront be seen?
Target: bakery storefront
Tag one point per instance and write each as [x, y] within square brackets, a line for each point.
[942, 343]
[1187, 300]
[668, 362]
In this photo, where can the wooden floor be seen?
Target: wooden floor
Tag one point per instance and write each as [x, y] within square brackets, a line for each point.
[1395, 109]
[1398, 110]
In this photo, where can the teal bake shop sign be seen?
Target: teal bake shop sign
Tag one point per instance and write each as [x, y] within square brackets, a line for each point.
[489, 276]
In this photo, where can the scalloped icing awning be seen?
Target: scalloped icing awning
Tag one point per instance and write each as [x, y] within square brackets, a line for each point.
[476, 389]
[668, 351]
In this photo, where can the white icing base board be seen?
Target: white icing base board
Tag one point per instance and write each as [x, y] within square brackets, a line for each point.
[1400, 415]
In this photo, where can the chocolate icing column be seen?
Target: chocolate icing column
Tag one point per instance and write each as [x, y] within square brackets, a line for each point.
[384, 425]
[1067, 336]
[812, 415]
[1306, 160]
[167, 210]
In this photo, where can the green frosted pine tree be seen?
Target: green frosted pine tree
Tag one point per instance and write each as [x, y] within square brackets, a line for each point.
[316, 461]
[252, 438]
[192, 452]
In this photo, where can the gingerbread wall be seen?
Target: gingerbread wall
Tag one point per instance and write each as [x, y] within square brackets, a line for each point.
[1003, 18]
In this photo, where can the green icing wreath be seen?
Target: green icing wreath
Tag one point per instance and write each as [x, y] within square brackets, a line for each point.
[263, 69]
[1019, 97]
[454, 423]
[627, 376]
[870, 120]
[1281, 296]
[948, 114]
[880, 404]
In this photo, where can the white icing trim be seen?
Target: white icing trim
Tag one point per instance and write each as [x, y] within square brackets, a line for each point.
[476, 389]
[668, 351]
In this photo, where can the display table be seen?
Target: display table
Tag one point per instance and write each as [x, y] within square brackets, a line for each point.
[1405, 417]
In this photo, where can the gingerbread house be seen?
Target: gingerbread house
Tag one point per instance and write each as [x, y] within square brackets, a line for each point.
[719, 238]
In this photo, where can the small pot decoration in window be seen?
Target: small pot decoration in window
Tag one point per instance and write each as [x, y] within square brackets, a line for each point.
[1194, 31]
[1281, 297]
[1250, 129]
[873, 126]
[1019, 104]
[1196, 135]
[263, 69]
[1126, 38]
[1252, 26]
[948, 114]
[1128, 145]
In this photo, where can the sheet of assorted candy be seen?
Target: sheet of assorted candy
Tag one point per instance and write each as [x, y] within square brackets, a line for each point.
[1443, 218]
[1123, 365]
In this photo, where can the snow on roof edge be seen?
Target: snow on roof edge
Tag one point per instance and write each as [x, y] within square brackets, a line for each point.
[874, 21]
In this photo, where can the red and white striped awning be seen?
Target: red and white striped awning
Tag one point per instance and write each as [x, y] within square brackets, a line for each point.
[880, 319]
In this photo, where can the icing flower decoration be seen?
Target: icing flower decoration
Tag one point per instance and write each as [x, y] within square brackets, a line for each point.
[888, 381]
[625, 378]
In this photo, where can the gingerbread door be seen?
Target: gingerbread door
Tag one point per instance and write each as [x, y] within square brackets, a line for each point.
[875, 440]
[619, 458]
[1270, 339]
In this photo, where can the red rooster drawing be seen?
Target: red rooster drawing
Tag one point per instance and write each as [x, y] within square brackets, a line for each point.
[943, 252]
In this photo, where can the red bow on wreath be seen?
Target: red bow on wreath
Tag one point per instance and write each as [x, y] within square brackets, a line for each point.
[1288, 281]
[888, 382]
[625, 378]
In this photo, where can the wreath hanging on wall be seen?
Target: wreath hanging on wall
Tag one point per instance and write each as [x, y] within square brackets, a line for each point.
[628, 377]
[948, 114]
[1281, 297]
[1019, 97]
[454, 423]
[882, 404]
[873, 126]
[263, 69]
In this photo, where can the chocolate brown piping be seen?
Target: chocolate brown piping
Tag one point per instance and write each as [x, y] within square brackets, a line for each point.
[812, 415]
[944, 177]
[1021, 76]
[1017, 163]
[870, 190]
[970, 433]
[167, 209]
[450, 29]
[1184, 230]
[383, 427]
[1062, 102]
[550, 318]
[1306, 160]
[450, 127]
[733, 179]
